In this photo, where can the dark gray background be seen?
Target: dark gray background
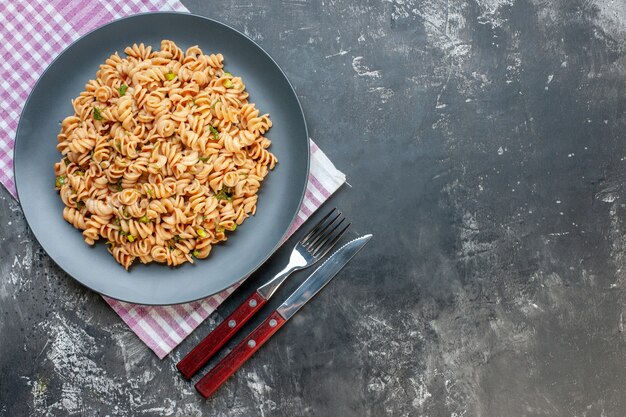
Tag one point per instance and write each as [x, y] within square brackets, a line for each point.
[484, 143]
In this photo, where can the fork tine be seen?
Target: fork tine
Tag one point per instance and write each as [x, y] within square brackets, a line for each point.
[321, 234]
[330, 241]
[324, 237]
[312, 241]
[316, 227]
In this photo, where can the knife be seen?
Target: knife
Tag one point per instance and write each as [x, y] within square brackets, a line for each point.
[311, 286]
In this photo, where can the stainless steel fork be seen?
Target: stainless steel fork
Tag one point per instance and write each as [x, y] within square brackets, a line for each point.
[313, 247]
[310, 249]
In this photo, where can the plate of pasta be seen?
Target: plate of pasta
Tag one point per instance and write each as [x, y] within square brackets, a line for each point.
[161, 158]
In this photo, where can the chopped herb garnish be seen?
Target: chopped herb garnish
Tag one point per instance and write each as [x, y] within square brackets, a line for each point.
[79, 173]
[228, 84]
[116, 221]
[108, 242]
[204, 158]
[67, 160]
[219, 229]
[227, 74]
[223, 195]
[170, 76]
[60, 181]
[80, 205]
[215, 132]
[193, 102]
[201, 232]
[150, 192]
[232, 229]
[177, 238]
[96, 114]
[195, 253]
[119, 186]
[123, 89]
[144, 219]
[130, 238]
[92, 154]
[123, 233]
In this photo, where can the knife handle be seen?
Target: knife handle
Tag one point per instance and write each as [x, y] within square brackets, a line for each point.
[201, 354]
[240, 354]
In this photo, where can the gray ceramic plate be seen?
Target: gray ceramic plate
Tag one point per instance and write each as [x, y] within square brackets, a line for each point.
[279, 198]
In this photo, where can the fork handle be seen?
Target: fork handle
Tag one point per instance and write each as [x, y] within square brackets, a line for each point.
[239, 355]
[201, 354]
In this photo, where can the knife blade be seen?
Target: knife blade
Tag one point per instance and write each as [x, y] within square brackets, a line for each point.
[309, 288]
[321, 276]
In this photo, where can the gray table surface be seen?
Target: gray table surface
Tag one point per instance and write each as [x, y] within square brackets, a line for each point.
[484, 143]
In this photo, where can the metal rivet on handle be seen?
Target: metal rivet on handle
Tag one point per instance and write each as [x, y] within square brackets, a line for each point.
[273, 323]
[252, 303]
[251, 343]
[232, 323]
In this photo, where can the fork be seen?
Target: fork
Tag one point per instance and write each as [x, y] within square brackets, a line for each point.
[310, 249]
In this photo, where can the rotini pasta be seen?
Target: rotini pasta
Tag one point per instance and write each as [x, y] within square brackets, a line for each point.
[163, 156]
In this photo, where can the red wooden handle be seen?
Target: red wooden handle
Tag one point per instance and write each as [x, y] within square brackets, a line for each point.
[241, 353]
[201, 354]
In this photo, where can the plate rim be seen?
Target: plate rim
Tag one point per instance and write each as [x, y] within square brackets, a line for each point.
[133, 16]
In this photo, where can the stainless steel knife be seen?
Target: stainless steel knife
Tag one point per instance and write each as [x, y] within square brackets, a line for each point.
[311, 286]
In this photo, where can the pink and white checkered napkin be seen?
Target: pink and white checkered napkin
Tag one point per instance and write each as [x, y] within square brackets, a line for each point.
[36, 31]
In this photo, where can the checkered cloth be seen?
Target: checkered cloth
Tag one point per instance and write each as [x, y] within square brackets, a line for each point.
[32, 34]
